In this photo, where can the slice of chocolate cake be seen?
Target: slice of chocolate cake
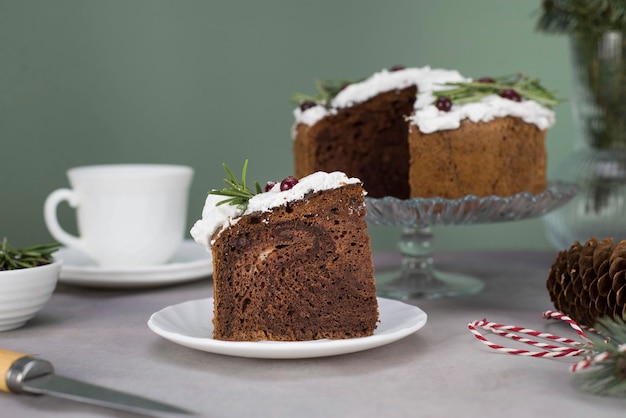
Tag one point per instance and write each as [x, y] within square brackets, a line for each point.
[294, 265]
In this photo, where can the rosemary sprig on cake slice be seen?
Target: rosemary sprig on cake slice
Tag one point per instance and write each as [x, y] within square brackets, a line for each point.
[37, 255]
[516, 88]
[237, 192]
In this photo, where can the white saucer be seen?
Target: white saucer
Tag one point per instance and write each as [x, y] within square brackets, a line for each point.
[190, 324]
[190, 262]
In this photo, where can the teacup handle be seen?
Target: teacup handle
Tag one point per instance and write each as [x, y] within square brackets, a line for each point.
[52, 222]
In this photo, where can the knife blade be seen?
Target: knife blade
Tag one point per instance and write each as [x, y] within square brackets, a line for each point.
[22, 373]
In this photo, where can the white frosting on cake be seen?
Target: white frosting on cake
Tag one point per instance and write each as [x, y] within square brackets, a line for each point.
[426, 116]
[426, 79]
[430, 119]
[217, 217]
[312, 115]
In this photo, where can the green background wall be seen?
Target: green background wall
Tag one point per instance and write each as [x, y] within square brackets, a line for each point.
[204, 82]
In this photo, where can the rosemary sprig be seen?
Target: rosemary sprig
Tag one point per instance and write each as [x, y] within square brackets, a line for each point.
[38, 255]
[326, 90]
[238, 193]
[527, 87]
[607, 376]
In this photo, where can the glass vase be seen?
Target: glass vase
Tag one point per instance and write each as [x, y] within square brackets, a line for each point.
[598, 162]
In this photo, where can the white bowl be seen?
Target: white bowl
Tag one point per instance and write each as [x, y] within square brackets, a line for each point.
[24, 292]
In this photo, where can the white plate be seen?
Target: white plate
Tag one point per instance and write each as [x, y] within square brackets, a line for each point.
[190, 324]
[190, 262]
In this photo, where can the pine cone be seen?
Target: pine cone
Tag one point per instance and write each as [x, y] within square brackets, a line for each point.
[588, 281]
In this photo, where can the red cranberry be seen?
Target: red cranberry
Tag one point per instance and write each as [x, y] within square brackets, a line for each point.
[397, 68]
[307, 104]
[486, 80]
[288, 183]
[511, 95]
[444, 104]
[269, 186]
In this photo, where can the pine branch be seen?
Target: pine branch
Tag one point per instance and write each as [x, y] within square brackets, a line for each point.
[581, 16]
[607, 376]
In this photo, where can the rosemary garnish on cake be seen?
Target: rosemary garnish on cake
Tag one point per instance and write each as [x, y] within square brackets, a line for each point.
[237, 192]
[515, 87]
[326, 90]
[37, 255]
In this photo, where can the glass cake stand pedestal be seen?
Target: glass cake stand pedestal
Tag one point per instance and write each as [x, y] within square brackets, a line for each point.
[417, 277]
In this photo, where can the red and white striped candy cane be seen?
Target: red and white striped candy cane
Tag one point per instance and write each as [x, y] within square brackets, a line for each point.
[555, 347]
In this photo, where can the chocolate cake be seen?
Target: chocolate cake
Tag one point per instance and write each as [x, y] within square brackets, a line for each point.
[294, 265]
[392, 132]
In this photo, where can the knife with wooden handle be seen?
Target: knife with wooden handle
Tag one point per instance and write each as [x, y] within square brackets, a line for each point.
[22, 373]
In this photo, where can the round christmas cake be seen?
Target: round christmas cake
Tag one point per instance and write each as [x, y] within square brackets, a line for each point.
[422, 132]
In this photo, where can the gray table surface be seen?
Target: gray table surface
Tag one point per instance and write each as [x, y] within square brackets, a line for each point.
[101, 336]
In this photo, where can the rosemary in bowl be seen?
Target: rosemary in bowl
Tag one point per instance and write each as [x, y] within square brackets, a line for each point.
[28, 277]
[34, 256]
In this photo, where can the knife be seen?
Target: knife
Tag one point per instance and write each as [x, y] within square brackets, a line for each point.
[22, 373]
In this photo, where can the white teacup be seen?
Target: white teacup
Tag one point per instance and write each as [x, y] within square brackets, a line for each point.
[127, 214]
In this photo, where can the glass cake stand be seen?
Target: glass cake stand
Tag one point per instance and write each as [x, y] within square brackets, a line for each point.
[417, 277]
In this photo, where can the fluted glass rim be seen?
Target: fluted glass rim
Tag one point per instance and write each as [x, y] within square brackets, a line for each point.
[424, 212]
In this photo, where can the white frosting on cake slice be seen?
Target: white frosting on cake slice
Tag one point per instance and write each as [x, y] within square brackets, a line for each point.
[217, 217]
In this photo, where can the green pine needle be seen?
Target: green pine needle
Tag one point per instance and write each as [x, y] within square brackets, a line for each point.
[581, 16]
[607, 377]
[238, 193]
[38, 255]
